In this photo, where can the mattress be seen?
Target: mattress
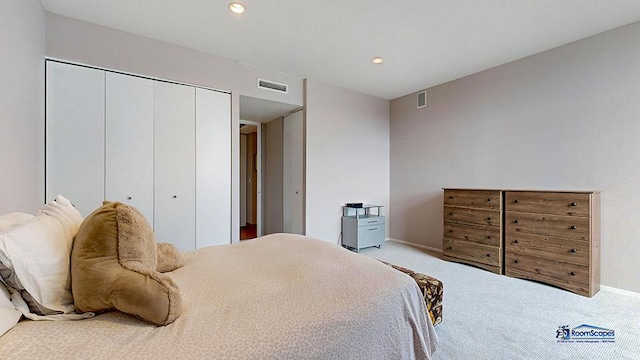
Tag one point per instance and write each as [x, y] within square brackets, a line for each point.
[279, 296]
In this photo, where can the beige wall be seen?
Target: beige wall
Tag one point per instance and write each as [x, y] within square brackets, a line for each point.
[347, 142]
[86, 43]
[22, 43]
[568, 118]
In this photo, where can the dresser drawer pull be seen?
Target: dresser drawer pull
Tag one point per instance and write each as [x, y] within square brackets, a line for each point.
[574, 250]
[374, 229]
[517, 222]
[450, 197]
[573, 273]
[517, 261]
[516, 242]
[450, 230]
[450, 214]
[516, 201]
[450, 248]
[489, 237]
[574, 204]
[489, 199]
[373, 222]
[573, 227]
[488, 219]
[488, 255]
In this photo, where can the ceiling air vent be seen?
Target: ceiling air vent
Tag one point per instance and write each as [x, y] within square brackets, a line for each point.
[422, 99]
[273, 86]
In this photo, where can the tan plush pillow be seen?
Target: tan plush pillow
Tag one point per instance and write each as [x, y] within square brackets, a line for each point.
[113, 266]
[169, 258]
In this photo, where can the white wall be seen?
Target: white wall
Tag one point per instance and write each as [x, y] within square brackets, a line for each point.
[347, 155]
[568, 118]
[78, 41]
[22, 46]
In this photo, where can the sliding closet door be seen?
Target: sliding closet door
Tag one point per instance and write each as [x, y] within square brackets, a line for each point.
[273, 183]
[174, 200]
[293, 171]
[213, 168]
[75, 135]
[129, 142]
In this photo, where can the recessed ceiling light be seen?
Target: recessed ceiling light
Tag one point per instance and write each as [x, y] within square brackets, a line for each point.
[236, 8]
[377, 60]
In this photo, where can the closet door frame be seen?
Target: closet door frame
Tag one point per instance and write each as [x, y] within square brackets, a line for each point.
[101, 162]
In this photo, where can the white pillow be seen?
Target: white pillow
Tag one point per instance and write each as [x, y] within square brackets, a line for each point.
[9, 315]
[36, 257]
[9, 221]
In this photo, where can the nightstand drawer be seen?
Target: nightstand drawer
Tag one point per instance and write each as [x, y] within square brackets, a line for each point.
[571, 227]
[489, 255]
[570, 204]
[370, 235]
[472, 216]
[486, 235]
[484, 199]
[372, 220]
[574, 251]
[537, 268]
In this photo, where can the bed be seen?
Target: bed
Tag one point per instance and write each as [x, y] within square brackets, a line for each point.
[279, 296]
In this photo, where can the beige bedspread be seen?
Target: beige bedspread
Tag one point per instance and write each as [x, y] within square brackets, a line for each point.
[276, 297]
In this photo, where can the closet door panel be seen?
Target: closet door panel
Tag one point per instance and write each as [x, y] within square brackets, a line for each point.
[293, 171]
[129, 142]
[75, 135]
[174, 200]
[213, 168]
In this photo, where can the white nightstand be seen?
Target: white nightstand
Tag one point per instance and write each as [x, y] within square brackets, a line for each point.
[361, 228]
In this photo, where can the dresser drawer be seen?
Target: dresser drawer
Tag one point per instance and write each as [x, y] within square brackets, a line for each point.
[489, 255]
[485, 199]
[559, 273]
[574, 251]
[486, 235]
[472, 216]
[559, 226]
[371, 220]
[558, 203]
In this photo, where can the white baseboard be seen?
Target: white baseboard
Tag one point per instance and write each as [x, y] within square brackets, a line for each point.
[620, 291]
[415, 245]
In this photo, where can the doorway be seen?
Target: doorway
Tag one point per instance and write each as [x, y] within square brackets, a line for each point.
[271, 168]
[250, 183]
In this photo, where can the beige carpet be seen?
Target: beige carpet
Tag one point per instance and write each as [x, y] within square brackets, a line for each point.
[488, 316]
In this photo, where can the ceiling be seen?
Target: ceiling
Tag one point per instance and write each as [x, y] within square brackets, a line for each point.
[423, 42]
[262, 111]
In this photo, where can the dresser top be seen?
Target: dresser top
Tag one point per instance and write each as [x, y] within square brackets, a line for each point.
[529, 190]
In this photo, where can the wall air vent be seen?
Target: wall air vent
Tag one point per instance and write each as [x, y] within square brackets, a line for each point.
[422, 99]
[273, 86]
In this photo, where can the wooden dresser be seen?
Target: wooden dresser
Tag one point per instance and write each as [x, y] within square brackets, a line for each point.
[472, 228]
[554, 237]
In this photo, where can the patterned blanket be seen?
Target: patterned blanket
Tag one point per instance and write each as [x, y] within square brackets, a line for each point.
[432, 290]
